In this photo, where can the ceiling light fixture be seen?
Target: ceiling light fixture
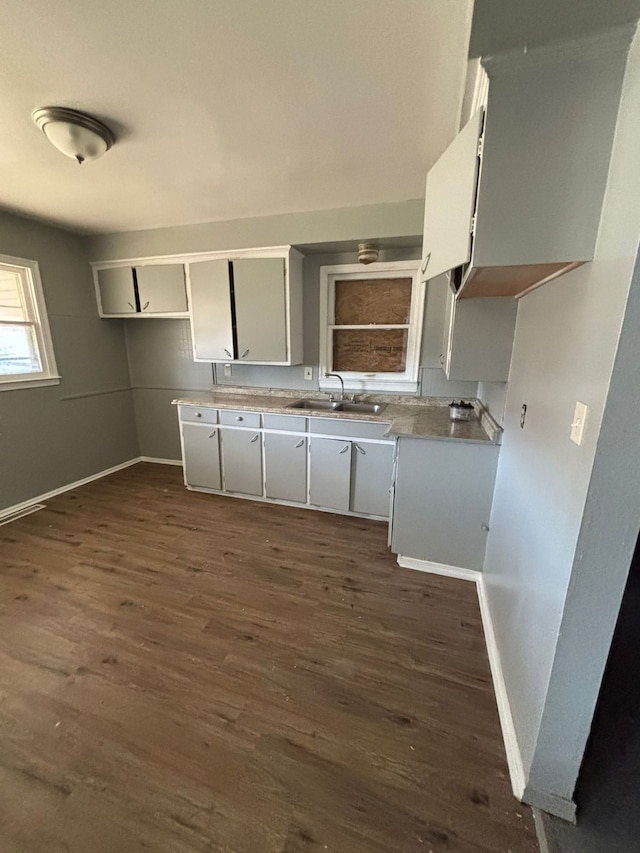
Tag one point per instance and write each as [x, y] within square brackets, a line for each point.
[75, 134]
[367, 253]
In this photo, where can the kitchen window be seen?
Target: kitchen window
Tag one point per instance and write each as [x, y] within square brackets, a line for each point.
[26, 350]
[370, 326]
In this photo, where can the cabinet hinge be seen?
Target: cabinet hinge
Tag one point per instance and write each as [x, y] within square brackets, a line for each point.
[480, 145]
[473, 224]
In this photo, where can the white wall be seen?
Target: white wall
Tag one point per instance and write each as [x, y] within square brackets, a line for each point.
[566, 339]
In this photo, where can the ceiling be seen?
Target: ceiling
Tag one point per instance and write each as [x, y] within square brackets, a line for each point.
[228, 109]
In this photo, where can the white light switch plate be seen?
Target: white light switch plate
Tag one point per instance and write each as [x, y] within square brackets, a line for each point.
[227, 370]
[577, 426]
[308, 373]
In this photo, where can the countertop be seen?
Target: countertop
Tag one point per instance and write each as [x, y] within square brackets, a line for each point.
[423, 417]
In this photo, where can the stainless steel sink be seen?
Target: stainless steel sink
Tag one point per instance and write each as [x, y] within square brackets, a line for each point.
[315, 405]
[337, 406]
[364, 408]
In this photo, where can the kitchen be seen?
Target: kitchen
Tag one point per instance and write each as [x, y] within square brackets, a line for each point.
[139, 366]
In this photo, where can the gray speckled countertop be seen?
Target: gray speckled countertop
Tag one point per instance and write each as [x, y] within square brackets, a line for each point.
[423, 417]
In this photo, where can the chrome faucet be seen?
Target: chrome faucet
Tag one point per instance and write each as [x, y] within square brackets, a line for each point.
[337, 376]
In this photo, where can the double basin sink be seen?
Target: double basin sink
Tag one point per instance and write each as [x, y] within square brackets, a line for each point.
[338, 406]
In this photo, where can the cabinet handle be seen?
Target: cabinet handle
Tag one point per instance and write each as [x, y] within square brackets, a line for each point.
[255, 438]
[145, 306]
[425, 262]
[198, 414]
[345, 448]
[211, 434]
[360, 449]
[239, 418]
[245, 353]
[227, 352]
[300, 443]
[133, 307]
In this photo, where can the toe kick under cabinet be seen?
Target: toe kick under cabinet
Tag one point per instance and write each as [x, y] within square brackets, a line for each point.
[343, 466]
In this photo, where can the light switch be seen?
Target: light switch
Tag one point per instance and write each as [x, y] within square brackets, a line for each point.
[577, 425]
[308, 373]
[227, 370]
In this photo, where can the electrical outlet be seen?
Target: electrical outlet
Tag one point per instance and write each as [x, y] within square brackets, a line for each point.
[308, 373]
[227, 370]
[577, 425]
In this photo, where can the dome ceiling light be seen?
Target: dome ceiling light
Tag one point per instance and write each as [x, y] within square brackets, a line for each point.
[75, 134]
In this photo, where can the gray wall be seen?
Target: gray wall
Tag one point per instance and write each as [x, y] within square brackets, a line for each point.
[553, 643]
[58, 434]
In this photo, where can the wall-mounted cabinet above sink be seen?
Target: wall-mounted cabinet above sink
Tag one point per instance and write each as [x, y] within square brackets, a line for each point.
[515, 200]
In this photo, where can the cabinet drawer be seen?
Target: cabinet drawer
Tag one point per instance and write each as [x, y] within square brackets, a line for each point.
[200, 415]
[231, 417]
[348, 428]
[285, 422]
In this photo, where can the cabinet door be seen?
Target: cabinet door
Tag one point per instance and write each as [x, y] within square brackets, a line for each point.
[371, 478]
[285, 462]
[116, 290]
[201, 455]
[242, 461]
[161, 289]
[442, 503]
[260, 304]
[450, 198]
[480, 338]
[330, 473]
[210, 295]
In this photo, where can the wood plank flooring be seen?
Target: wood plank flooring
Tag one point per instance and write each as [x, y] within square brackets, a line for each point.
[183, 672]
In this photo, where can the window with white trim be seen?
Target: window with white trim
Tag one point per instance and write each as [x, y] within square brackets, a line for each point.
[371, 326]
[26, 350]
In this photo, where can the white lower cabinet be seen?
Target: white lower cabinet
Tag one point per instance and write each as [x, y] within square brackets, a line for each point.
[287, 458]
[285, 467]
[242, 461]
[372, 469]
[330, 473]
[442, 501]
[201, 455]
[351, 476]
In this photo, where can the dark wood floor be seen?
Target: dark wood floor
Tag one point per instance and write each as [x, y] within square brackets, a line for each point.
[182, 672]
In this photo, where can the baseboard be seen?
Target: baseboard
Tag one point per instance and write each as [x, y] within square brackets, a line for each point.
[438, 568]
[514, 758]
[21, 513]
[159, 461]
[37, 499]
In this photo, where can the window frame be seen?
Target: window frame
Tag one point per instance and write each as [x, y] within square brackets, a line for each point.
[406, 382]
[33, 294]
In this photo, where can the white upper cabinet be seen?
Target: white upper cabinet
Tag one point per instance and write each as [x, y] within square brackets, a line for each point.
[210, 298]
[161, 288]
[247, 308]
[259, 289]
[116, 291]
[148, 290]
[517, 203]
[450, 201]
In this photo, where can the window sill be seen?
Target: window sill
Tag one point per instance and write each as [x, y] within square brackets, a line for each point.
[19, 384]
